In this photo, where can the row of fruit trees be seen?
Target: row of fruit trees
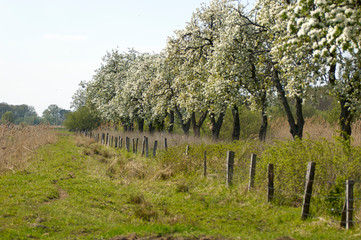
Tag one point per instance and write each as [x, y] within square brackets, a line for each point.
[226, 57]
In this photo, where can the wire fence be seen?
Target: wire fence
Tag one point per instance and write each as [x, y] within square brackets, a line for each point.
[328, 199]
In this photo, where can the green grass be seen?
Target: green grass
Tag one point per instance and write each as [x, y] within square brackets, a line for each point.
[87, 191]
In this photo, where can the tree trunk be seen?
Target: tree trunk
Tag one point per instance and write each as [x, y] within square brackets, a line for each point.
[345, 120]
[216, 125]
[300, 119]
[197, 125]
[184, 124]
[126, 127]
[264, 118]
[140, 125]
[346, 115]
[295, 130]
[236, 124]
[160, 126]
[151, 128]
[171, 122]
[263, 128]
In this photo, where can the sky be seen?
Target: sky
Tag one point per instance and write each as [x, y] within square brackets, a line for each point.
[48, 46]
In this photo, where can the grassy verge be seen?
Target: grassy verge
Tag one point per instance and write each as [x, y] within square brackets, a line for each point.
[80, 190]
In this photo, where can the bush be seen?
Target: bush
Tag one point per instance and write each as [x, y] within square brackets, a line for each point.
[82, 119]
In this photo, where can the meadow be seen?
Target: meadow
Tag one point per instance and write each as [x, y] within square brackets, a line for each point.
[72, 187]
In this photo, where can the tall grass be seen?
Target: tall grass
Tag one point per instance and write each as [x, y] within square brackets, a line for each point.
[17, 143]
[315, 128]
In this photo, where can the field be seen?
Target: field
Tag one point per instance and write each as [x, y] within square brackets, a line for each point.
[75, 188]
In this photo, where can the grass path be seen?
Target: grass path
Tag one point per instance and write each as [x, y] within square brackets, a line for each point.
[66, 194]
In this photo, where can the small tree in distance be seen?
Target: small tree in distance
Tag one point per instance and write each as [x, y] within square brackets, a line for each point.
[82, 119]
[7, 117]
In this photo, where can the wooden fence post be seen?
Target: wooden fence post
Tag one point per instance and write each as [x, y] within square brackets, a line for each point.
[146, 147]
[310, 176]
[343, 215]
[112, 141]
[271, 189]
[121, 143]
[155, 148]
[116, 142]
[143, 146]
[187, 150]
[252, 171]
[133, 142]
[230, 164]
[103, 139]
[136, 145]
[205, 164]
[107, 140]
[165, 144]
[349, 203]
[127, 143]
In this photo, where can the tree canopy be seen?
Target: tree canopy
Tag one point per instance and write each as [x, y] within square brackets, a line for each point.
[227, 57]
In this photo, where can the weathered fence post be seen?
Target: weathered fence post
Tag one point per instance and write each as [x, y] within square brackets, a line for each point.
[103, 139]
[107, 140]
[112, 141]
[230, 164]
[252, 171]
[116, 142]
[205, 164]
[133, 142]
[121, 143]
[271, 189]
[146, 147]
[310, 176]
[127, 143]
[155, 148]
[165, 144]
[343, 215]
[187, 150]
[136, 145]
[143, 146]
[349, 203]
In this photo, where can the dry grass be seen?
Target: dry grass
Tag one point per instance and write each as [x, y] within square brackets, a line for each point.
[17, 143]
[315, 128]
[82, 141]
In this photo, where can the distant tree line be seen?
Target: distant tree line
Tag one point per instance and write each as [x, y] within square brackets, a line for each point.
[24, 114]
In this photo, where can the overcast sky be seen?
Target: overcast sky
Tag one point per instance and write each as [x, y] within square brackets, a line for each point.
[48, 46]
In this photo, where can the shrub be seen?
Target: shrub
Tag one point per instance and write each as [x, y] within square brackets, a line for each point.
[82, 119]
